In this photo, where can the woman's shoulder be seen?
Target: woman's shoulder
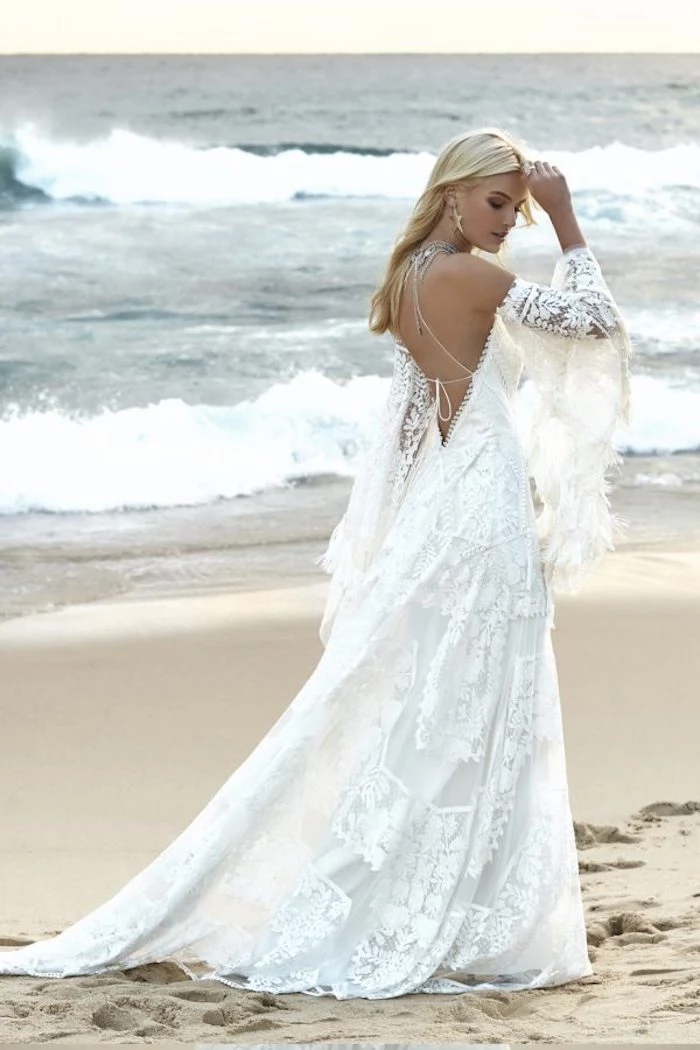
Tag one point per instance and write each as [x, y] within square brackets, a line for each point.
[482, 284]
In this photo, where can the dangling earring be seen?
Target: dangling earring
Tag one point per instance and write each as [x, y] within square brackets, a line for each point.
[457, 219]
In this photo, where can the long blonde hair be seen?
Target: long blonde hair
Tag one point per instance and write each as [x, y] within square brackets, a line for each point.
[465, 159]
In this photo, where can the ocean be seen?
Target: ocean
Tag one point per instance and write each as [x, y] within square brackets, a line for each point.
[189, 245]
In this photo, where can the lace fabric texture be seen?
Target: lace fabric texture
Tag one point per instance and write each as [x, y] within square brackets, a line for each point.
[575, 348]
[405, 825]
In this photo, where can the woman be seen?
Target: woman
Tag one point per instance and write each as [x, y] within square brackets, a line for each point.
[405, 824]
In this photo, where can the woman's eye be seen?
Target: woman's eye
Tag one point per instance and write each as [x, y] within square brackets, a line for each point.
[496, 204]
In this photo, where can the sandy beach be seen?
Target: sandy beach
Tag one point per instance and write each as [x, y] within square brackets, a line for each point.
[120, 720]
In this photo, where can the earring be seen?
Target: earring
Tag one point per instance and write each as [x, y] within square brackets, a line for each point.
[457, 219]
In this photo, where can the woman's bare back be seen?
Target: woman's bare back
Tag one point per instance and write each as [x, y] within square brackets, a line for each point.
[454, 321]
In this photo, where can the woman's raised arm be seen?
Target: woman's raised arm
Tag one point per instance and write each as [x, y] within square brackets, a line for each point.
[577, 304]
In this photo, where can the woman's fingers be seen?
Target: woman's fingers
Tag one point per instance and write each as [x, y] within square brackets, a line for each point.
[547, 185]
[544, 167]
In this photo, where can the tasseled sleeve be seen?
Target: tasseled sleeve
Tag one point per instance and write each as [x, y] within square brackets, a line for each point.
[576, 351]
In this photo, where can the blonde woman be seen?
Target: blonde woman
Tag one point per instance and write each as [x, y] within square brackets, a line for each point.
[405, 824]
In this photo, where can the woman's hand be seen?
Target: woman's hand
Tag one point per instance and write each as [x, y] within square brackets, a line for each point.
[548, 187]
[550, 190]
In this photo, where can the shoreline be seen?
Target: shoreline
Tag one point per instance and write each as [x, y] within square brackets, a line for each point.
[265, 541]
[661, 564]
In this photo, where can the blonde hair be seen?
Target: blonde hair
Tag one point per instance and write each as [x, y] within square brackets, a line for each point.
[465, 159]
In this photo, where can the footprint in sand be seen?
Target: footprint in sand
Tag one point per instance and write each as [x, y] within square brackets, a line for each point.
[152, 1029]
[687, 1002]
[139, 1012]
[588, 835]
[112, 1018]
[669, 809]
[496, 1005]
[624, 928]
[656, 971]
[200, 994]
[115, 1018]
[155, 973]
[56, 1009]
[673, 924]
[235, 1022]
[588, 866]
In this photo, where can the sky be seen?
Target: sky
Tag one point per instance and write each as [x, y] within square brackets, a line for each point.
[355, 26]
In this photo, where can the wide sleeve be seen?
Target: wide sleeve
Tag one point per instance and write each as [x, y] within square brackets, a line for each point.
[576, 304]
[575, 350]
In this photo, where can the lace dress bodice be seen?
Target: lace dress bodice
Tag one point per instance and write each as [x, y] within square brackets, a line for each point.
[580, 310]
[438, 392]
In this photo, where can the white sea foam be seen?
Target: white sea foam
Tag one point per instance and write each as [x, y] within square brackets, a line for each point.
[613, 184]
[666, 480]
[172, 453]
[665, 329]
[175, 454]
[665, 418]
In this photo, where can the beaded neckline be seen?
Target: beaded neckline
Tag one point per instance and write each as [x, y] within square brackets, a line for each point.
[434, 246]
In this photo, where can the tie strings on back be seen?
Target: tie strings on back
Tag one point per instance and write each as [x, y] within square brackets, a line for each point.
[422, 258]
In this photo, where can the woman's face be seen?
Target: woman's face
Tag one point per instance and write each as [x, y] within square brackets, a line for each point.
[490, 208]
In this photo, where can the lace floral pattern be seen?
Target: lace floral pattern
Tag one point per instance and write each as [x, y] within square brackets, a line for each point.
[575, 349]
[415, 418]
[580, 313]
[577, 304]
[405, 825]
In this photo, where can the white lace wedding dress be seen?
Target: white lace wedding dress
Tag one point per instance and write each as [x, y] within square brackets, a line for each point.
[405, 825]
